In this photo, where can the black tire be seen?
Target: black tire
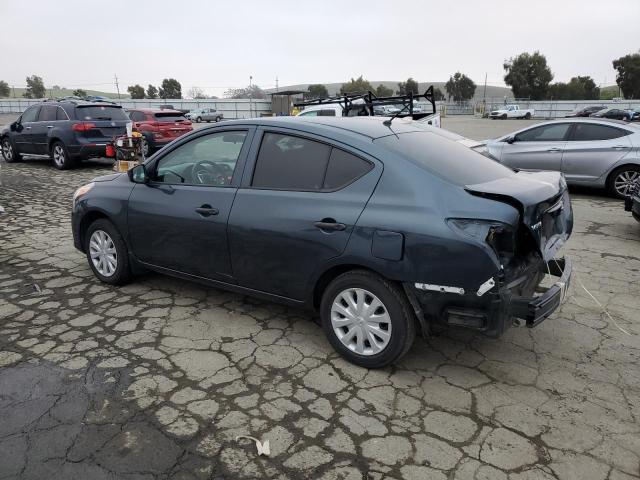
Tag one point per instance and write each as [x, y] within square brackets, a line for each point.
[527, 116]
[199, 119]
[218, 119]
[402, 317]
[122, 273]
[628, 171]
[504, 116]
[9, 153]
[60, 156]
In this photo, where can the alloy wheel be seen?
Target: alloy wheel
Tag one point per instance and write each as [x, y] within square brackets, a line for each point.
[361, 321]
[58, 155]
[103, 253]
[145, 147]
[625, 180]
[7, 150]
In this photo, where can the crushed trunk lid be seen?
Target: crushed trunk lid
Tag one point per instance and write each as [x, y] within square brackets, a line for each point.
[542, 198]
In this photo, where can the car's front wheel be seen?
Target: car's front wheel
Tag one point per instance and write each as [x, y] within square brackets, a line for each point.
[622, 180]
[8, 152]
[107, 253]
[198, 119]
[60, 156]
[367, 319]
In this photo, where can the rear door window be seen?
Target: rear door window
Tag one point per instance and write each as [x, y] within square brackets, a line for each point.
[545, 133]
[293, 163]
[136, 116]
[591, 132]
[61, 114]
[47, 113]
[101, 113]
[344, 168]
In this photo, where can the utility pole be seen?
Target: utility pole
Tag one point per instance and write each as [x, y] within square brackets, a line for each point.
[250, 91]
[484, 95]
[117, 86]
[276, 84]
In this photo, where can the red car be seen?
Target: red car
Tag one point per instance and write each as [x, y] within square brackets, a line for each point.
[158, 126]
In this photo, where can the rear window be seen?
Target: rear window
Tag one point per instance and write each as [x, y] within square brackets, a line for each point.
[101, 113]
[169, 117]
[444, 158]
[587, 132]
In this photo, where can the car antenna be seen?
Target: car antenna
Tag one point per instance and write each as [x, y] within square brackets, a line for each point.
[388, 121]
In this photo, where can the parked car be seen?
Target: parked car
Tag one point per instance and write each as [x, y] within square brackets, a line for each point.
[385, 229]
[632, 201]
[66, 131]
[329, 110]
[512, 111]
[586, 111]
[98, 98]
[613, 113]
[588, 151]
[205, 114]
[184, 111]
[158, 127]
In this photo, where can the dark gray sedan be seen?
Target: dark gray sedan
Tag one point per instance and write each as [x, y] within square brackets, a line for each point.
[590, 152]
[387, 230]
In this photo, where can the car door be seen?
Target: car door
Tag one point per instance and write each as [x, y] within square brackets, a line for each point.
[537, 148]
[40, 128]
[178, 220]
[297, 206]
[23, 137]
[592, 149]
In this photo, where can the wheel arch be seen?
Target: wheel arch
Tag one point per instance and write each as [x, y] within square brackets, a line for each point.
[88, 218]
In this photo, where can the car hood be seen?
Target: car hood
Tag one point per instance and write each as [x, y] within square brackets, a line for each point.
[107, 178]
[542, 198]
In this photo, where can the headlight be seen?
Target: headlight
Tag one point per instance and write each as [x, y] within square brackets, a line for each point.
[82, 190]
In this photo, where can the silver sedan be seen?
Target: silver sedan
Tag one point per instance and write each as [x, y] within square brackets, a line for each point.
[598, 153]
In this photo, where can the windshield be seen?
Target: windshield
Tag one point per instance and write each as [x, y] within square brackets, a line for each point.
[445, 158]
[94, 112]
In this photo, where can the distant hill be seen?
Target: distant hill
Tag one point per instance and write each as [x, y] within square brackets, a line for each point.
[64, 92]
[334, 88]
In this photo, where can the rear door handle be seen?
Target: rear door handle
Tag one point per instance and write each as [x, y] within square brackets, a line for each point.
[620, 147]
[207, 210]
[554, 150]
[329, 225]
[49, 126]
[27, 128]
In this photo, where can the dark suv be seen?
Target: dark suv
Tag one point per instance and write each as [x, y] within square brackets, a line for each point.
[385, 229]
[64, 131]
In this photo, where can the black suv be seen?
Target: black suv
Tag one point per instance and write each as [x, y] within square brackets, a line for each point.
[66, 131]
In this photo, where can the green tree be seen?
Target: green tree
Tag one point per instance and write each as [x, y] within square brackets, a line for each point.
[528, 75]
[136, 91]
[254, 92]
[578, 88]
[79, 93]
[438, 95]
[628, 77]
[35, 87]
[152, 92]
[170, 88]
[316, 90]
[382, 91]
[4, 89]
[404, 88]
[358, 85]
[460, 87]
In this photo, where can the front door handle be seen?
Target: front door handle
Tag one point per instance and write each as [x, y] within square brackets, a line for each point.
[49, 126]
[554, 150]
[207, 210]
[27, 128]
[620, 147]
[330, 224]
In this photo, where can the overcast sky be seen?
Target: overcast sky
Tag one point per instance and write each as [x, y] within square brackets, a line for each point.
[217, 45]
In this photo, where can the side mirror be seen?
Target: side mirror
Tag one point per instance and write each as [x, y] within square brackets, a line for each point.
[511, 139]
[138, 174]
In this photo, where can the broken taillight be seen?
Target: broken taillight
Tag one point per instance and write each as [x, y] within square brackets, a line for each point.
[499, 236]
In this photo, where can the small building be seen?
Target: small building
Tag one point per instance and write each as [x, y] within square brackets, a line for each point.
[282, 102]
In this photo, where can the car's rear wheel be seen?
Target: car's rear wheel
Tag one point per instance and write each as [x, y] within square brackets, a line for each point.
[527, 116]
[60, 156]
[622, 180]
[367, 319]
[504, 116]
[218, 119]
[107, 253]
[8, 152]
[198, 119]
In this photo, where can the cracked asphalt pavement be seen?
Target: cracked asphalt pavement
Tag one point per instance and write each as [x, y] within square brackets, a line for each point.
[156, 379]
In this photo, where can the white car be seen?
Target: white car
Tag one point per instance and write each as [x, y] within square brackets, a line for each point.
[512, 111]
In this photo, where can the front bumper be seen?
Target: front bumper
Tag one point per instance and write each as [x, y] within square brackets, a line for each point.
[492, 312]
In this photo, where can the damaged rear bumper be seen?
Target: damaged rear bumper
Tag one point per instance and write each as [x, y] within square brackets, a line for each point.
[493, 310]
